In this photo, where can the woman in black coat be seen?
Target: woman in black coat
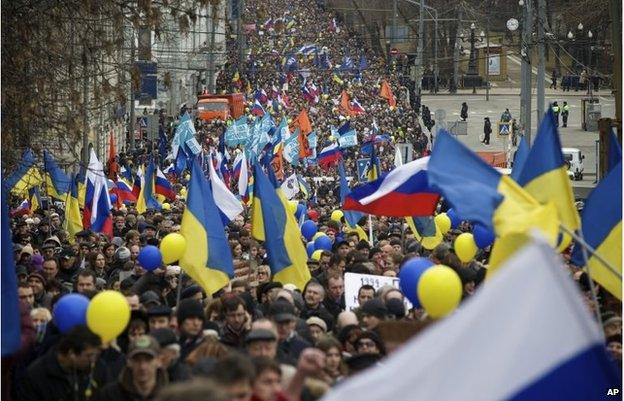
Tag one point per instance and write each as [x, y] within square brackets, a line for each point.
[487, 130]
[464, 112]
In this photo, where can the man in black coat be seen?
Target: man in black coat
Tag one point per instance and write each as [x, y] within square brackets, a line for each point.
[63, 373]
[142, 378]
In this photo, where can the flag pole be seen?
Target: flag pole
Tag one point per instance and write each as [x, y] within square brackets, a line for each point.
[370, 230]
[592, 288]
[586, 247]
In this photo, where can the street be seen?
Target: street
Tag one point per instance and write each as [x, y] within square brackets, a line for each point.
[573, 136]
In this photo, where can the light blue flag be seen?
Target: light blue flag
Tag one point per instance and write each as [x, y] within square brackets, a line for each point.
[291, 149]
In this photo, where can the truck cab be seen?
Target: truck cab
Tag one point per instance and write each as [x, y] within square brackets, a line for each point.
[220, 107]
[574, 160]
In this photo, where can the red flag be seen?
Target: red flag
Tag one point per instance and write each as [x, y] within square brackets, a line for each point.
[386, 93]
[345, 103]
[113, 167]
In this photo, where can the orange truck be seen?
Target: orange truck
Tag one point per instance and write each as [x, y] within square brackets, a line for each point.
[220, 107]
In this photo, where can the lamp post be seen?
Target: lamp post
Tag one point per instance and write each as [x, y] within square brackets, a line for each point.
[472, 72]
[590, 82]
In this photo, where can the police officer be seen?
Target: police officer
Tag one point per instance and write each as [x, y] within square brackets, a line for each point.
[556, 110]
[565, 112]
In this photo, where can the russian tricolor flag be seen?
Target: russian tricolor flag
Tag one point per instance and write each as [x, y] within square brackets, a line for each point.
[328, 156]
[123, 191]
[97, 212]
[356, 107]
[257, 109]
[402, 192]
[163, 186]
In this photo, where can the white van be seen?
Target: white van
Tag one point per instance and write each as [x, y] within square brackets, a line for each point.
[574, 159]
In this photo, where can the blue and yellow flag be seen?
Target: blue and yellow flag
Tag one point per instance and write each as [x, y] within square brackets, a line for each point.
[374, 168]
[25, 177]
[57, 182]
[481, 194]
[146, 199]
[272, 223]
[602, 230]
[34, 198]
[73, 220]
[351, 217]
[522, 153]
[207, 258]
[545, 174]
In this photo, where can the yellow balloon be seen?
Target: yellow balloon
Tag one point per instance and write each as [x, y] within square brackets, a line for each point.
[443, 221]
[183, 192]
[316, 255]
[160, 198]
[318, 234]
[337, 215]
[292, 206]
[439, 291]
[108, 315]
[166, 206]
[187, 177]
[465, 247]
[172, 247]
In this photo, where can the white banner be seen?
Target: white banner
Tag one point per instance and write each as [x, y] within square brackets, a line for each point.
[290, 186]
[353, 282]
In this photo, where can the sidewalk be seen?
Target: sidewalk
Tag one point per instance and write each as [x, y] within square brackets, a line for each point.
[516, 92]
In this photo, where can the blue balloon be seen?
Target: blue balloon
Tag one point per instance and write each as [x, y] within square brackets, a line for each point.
[300, 210]
[409, 275]
[113, 198]
[150, 258]
[455, 219]
[308, 229]
[310, 248]
[323, 242]
[70, 311]
[483, 236]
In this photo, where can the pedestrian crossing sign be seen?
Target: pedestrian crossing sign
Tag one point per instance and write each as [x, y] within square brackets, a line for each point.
[504, 128]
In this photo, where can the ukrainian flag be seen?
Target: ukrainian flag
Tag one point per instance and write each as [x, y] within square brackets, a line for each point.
[26, 176]
[602, 230]
[272, 223]
[81, 179]
[545, 175]
[57, 182]
[481, 194]
[425, 231]
[304, 187]
[34, 198]
[522, 153]
[207, 258]
[146, 199]
[351, 217]
[374, 169]
[73, 221]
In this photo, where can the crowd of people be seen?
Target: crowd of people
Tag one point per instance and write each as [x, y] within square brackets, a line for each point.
[256, 339]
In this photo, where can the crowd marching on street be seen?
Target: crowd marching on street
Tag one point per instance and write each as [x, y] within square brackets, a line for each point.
[254, 268]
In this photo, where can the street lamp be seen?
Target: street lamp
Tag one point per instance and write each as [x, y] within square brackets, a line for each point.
[570, 35]
[580, 26]
[473, 73]
[589, 62]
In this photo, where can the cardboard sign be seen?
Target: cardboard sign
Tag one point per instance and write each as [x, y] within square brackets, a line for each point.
[353, 282]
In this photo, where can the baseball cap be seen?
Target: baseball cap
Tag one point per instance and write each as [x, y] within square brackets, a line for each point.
[67, 253]
[144, 345]
[149, 297]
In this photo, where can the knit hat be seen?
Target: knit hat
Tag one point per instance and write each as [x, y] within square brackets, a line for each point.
[164, 336]
[189, 308]
[190, 291]
[37, 262]
[38, 276]
[396, 308]
[317, 321]
[122, 254]
[374, 307]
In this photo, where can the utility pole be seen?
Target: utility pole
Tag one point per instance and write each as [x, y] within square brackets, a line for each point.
[487, 58]
[616, 39]
[541, 68]
[241, 35]
[455, 82]
[394, 22]
[435, 54]
[211, 55]
[525, 53]
[132, 121]
[421, 45]
[85, 105]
